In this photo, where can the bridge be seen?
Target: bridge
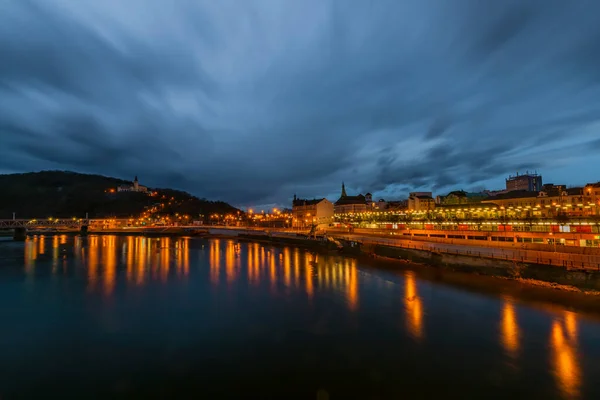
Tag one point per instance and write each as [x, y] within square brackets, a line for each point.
[20, 226]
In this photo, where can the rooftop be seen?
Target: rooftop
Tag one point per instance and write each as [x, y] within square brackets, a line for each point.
[306, 202]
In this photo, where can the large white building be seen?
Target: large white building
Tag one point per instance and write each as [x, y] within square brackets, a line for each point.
[136, 187]
[309, 212]
[421, 201]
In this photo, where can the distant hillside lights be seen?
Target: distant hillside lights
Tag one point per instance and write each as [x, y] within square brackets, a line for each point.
[136, 187]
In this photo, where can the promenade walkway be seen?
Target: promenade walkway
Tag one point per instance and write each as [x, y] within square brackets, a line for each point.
[566, 260]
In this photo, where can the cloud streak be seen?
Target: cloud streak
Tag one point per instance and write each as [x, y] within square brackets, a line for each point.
[250, 102]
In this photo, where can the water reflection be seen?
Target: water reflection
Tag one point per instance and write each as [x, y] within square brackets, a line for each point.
[509, 329]
[413, 305]
[109, 259]
[231, 261]
[215, 260]
[114, 264]
[92, 261]
[563, 344]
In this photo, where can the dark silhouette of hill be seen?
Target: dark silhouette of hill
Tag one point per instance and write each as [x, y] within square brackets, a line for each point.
[64, 194]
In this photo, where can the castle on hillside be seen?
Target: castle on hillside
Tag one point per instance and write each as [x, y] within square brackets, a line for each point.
[136, 187]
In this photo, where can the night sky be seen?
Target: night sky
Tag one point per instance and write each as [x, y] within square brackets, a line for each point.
[253, 101]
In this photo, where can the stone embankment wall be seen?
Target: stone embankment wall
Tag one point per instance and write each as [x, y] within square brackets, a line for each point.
[491, 267]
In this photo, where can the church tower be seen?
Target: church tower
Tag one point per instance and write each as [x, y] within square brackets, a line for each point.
[344, 190]
[136, 185]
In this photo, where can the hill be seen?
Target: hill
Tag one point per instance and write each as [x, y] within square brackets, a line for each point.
[64, 194]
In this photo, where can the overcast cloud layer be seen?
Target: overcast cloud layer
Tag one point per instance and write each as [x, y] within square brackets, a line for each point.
[252, 101]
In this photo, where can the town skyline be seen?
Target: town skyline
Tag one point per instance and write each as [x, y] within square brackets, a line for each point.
[247, 110]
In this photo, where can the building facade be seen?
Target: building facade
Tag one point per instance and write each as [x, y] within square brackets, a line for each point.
[136, 187]
[351, 204]
[306, 213]
[461, 197]
[421, 201]
[553, 201]
[528, 182]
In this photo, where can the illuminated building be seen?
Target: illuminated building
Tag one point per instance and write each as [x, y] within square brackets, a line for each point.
[308, 212]
[136, 187]
[528, 182]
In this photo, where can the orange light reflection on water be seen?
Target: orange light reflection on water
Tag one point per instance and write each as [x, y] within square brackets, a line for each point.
[142, 254]
[215, 260]
[109, 259]
[92, 261]
[230, 261]
[563, 344]
[413, 305]
[510, 329]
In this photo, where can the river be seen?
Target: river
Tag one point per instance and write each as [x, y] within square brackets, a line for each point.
[108, 316]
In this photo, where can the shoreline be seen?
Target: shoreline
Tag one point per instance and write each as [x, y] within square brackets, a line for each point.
[535, 291]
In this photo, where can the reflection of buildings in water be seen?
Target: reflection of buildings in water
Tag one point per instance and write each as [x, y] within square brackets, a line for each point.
[182, 256]
[77, 246]
[55, 251]
[92, 261]
[231, 261]
[31, 253]
[563, 344]
[287, 267]
[129, 248]
[272, 268]
[334, 273]
[214, 257]
[142, 255]
[413, 305]
[352, 284]
[509, 329]
[252, 261]
[109, 260]
[185, 249]
[42, 245]
[63, 239]
[164, 249]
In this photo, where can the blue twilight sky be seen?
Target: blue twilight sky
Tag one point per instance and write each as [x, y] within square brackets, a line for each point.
[253, 101]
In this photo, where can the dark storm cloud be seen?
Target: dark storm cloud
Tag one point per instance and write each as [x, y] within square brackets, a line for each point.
[253, 101]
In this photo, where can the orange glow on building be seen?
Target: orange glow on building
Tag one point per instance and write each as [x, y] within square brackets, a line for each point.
[564, 355]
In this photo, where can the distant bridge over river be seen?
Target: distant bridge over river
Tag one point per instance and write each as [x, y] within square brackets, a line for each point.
[20, 226]
[44, 223]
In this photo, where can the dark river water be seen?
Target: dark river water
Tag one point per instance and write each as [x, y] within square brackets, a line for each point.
[122, 317]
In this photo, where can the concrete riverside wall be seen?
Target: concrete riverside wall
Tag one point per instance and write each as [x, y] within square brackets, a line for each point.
[568, 261]
[480, 243]
[491, 267]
